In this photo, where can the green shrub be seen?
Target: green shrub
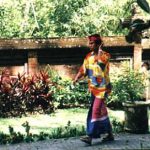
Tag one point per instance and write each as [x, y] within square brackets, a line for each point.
[128, 85]
[117, 126]
[66, 94]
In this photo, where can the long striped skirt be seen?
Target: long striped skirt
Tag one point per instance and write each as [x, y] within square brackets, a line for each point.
[97, 120]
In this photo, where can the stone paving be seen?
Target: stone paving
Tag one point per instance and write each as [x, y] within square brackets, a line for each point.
[124, 141]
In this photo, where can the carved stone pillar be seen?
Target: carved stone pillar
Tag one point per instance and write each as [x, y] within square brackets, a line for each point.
[137, 56]
[32, 62]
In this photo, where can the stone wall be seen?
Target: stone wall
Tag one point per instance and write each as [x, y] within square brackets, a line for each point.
[64, 54]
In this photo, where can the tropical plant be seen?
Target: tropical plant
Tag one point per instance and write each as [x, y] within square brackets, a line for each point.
[25, 94]
[144, 5]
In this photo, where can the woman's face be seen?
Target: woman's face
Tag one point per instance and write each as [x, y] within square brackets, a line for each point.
[93, 46]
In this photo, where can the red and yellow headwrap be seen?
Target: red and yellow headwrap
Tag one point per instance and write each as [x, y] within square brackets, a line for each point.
[96, 38]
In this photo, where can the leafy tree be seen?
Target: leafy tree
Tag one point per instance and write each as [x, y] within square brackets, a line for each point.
[50, 18]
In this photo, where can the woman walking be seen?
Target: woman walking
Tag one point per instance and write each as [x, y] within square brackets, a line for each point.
[96, 68]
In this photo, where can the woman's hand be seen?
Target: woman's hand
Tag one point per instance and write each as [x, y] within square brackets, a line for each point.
[75, 80]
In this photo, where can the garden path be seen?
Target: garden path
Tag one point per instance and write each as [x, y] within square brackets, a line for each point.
[123, 141]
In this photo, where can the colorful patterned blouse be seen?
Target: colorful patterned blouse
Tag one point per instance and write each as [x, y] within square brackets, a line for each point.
[97, 70]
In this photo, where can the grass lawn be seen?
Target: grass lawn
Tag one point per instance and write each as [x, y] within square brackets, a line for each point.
[45, 123]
